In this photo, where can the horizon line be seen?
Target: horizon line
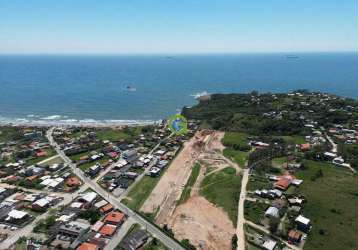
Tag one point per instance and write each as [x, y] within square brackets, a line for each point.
[171, 53]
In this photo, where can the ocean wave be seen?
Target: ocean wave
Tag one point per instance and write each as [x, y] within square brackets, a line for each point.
[52, 117]
[56, 120]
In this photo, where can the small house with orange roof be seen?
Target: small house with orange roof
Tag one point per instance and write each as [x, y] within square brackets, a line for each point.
[73, 182]
[114, 218]
[88, 246]
[106, 209]
[108, 230]
[305, 147]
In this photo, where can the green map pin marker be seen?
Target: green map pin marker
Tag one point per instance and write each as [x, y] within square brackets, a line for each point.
[178, 124]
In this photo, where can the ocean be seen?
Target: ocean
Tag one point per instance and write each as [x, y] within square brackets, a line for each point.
[137, 88]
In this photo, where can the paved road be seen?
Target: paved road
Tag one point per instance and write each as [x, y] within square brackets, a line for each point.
[166, 240]
[240, 219]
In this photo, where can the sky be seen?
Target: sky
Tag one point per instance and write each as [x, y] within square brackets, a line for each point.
[177, 26]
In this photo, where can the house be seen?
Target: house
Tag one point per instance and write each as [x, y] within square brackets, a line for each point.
[92, 171]
[97, 226]
[134, 240]
[16, 217]
[88, 197]
[272, 212]
[114, 218]
[269, 244]
[294, 236]
[73, 229]
[42, 204]
[282, 184]
[87, 246]
[73, 182]
[154, 171]
[108, 230]
[107, 208]
[330, 155]
[305, 147]
[303, 223]
[130, 155]
[100, 204]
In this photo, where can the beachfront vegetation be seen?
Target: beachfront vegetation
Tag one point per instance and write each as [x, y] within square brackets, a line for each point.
[222, 188]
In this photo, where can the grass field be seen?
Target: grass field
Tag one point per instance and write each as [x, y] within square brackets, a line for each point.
[239, 157]
[223, 189]
[293, 139]
[254, 211]
[231, 138]
[279, 161]
[140, 192]
[258, 182]
[191, 181]
[332, 207]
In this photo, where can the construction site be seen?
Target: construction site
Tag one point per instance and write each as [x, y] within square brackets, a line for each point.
[204, 224]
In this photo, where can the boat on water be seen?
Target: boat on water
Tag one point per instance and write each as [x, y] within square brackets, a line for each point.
[292, 57]
[130, 88]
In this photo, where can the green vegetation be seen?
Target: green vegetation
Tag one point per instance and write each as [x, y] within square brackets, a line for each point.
[332, 206]
[155, 244]
[10, 133]
[293, 139]
[258, 182]
[33, 160]
[140, 192]
[92, 215]
[223, 189]
[44, 225]
[237, 156]
[279, 161]
[236, 147]
[191, 181]
[233, 138]
[255, 211]
[112, 134]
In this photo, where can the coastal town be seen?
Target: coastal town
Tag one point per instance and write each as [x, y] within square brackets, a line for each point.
[273, 172]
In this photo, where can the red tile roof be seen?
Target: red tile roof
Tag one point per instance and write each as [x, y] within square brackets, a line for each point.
[87, 246]
[114, 217]
[108, 230]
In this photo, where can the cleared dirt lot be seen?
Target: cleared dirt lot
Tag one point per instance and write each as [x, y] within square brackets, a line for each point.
[170, 186]
[204, 224]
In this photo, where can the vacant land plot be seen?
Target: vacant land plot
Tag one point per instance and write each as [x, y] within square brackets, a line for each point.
[222, 188]
[332, 206]
[258, 182]
[232, 138]
[255, 211]
[140, 192]
[237, 156]
[202, 223]
[191, 181]
[118, 134]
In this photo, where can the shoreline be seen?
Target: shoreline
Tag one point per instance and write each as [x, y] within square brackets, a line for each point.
[77, 123]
